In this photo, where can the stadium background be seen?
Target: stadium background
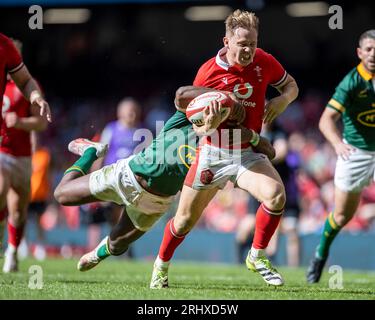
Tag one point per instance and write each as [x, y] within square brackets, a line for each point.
[147, 49]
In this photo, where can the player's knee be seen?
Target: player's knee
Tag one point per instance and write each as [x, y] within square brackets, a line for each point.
[183, 225]
[341, 219]
[60, 196]
[275, 197]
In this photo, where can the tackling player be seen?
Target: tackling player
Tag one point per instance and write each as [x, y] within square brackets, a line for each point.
[354, 102]
[145, 183]
[242, 68]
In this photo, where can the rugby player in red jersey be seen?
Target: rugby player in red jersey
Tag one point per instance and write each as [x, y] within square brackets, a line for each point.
[11, 63]
[19, 118]
[242, 68]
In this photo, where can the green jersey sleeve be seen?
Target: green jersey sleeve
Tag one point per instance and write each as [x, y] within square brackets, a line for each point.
[341, 99]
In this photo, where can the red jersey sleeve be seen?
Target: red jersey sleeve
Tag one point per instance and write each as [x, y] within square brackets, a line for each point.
[200, 78]
[276, 72]
[12, 56]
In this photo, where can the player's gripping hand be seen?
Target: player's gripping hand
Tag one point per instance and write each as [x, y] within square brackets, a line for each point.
[343, 150]
[274, 108]
[265, 147]
[238, 114]
[212, 119]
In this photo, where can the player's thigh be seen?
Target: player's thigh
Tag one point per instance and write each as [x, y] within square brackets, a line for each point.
[192, 203]
[18, 201]
[76, 192]
[262, 181]
[5, 182]
[125, 232]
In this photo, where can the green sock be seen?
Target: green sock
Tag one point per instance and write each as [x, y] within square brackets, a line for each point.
[103, 251]
[84, 163]
[331, 229]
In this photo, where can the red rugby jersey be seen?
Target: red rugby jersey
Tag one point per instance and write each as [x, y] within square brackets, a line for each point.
[248, 83]
[15, 141]
[10, 62]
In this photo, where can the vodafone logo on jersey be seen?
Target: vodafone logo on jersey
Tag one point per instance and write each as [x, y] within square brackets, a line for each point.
[244, 91]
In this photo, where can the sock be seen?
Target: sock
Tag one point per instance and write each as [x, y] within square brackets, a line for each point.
[84, 163]
[331, 229]
[255, 253]
[170, 242]
[265, 225]
[15, 234]
[102, 250]
[161, 264]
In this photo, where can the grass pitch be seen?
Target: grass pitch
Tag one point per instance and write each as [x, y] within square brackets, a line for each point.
[123, 279]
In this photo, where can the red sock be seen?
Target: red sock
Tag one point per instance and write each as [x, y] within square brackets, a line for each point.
[171, 240]
[3, 214]
[265, 225]
[15, 235]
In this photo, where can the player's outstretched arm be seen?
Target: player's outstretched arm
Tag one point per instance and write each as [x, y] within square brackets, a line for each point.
[31, 90]
[328, 127]
[33, 123]
[288, 93]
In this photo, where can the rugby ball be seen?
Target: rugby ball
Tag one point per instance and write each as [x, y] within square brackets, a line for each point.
[194, 111]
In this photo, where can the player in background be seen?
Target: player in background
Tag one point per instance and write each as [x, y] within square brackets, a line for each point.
[354, 102]
[40, 190]
[19, 119]
[118, 135]
[145, 184]
[246, 71]
[11, 64]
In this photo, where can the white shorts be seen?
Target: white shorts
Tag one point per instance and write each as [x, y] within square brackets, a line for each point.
[356, 173]
[117, 183]
[18, 170]
[214, 167]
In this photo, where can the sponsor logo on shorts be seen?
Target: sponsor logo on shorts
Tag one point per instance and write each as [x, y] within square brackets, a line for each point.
[206, 176]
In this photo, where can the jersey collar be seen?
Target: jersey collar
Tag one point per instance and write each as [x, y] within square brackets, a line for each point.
[219, 61]
[364, 73]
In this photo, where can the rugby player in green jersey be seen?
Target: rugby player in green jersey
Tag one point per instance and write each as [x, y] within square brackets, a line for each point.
[145, 183]
[354, 102]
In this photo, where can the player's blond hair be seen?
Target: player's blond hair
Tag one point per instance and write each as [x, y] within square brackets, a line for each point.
[240, 18]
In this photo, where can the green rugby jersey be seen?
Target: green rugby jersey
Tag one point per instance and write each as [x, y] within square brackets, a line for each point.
[165, 163]
[354, 98]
